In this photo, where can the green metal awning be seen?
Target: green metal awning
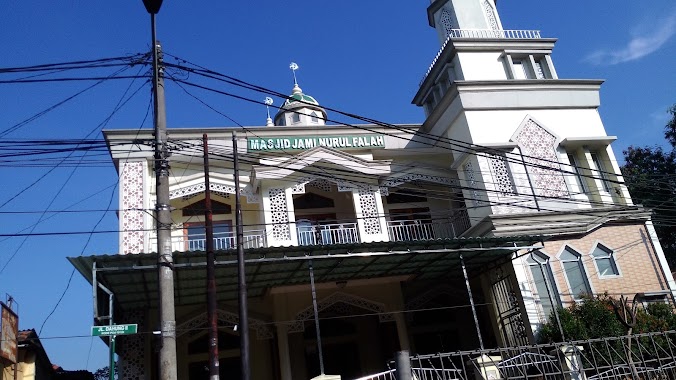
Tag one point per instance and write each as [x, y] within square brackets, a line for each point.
[133, 278]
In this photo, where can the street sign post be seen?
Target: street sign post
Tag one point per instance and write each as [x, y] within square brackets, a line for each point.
[114, 330]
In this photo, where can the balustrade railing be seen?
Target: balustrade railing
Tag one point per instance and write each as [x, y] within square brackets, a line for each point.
[222, 241]
[490, 33]
[428, 229]
[325, 234]
[481, 33]
[311, 233]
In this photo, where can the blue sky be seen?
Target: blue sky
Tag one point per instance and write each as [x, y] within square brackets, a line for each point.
[357, 56]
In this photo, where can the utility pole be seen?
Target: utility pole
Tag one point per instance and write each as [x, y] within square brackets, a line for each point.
[214, 373]
[241, 273]
[165, 259]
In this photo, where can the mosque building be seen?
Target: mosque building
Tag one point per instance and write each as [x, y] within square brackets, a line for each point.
[463, 232]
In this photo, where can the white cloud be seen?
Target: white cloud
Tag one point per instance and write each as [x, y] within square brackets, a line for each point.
[642, 43]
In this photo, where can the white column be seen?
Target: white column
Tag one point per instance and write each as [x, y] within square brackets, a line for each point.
[283, 349]
[659, 252]
[624, 192]
[598, 182]
[368, 206]
[402, 332]
[399, 307]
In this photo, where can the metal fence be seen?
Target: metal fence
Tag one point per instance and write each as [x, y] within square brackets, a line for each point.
[650, 356]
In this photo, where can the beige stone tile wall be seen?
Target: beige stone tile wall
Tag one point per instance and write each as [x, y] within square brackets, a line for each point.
[635, 257]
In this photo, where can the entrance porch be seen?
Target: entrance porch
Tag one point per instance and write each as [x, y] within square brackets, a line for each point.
[373, 300]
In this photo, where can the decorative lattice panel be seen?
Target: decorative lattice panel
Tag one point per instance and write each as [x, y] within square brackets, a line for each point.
[420, 177]
[320, 184]
[199, 324]
[471, 181]
[219, 193]
[130, 348]
[280, 214]
[369, 212]
[298, 188]
[187, 192]
[447, 21]
[340, 303]
[543, 165]
[132, 215]
[502, 177]
[490, 15]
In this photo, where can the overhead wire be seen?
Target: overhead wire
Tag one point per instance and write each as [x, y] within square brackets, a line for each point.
[117, 107]
[119, 104]
[459, 143]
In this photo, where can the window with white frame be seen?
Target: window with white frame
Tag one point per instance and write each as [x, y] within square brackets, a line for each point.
[313, 117]
[529, 66]
[543, 279]
[577, 169]
[575, 274]
[521, 69]
[295, 117]
[601, 172]
[604, 260]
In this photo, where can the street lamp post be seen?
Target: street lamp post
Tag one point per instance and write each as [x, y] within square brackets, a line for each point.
[165, 260]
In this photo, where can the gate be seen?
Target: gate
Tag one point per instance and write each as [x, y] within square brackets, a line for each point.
[509, 312]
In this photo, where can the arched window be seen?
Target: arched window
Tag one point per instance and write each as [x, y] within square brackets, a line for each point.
[295, 117]
[313, 117]
[543, 279]
[604, 260]
[575, 273]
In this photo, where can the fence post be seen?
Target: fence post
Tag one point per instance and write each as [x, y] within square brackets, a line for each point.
[486, 367]
[402, 362]
[570, 360]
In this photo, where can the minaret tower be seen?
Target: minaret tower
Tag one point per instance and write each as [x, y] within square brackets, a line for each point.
[495, 87]
[451, 17]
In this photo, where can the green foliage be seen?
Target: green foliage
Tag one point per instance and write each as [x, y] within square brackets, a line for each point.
[595, 317]
[104, 373]
[592, 318]
[650, 174]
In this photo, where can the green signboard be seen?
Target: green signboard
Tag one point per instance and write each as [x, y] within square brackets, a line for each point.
[295, 143]
[114, 330]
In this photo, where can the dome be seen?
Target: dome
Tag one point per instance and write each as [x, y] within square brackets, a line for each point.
[296, 102]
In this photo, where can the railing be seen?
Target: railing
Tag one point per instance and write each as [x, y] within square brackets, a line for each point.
[489, 33]
[329, 234]
[481, 33]
[650, 356]
[325, 234]
[418, 374]
[428, 229]
[386, 375]
[222, 241]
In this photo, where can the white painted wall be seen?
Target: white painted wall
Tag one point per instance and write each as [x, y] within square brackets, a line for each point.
[498, 126]
[482, 66]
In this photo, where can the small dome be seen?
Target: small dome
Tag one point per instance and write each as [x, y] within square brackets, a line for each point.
[298, 100]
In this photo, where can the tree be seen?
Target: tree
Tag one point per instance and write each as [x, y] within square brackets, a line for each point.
[596, 317]
[650, 175]
[593, 318]
[103, 373]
